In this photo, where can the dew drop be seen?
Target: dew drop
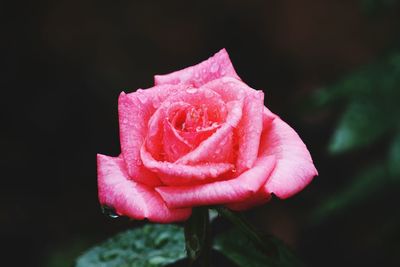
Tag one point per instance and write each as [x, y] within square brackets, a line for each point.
[142, 98]
[213, 171]
[125, 121]
[214, 67]
[191, 90]
[208, 94]
[109, 211]
[156, 102]
[249, 163]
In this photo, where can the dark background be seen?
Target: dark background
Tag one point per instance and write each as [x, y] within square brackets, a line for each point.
[64, 64]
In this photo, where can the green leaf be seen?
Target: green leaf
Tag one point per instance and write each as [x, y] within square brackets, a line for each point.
[237, 247]
[394, 158]
[361, 124]
[150, 246]
[362, 186]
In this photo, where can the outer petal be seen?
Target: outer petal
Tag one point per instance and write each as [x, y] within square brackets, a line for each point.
[294, 167]
[261, 197]
[213, 68]
[178, 174]
[130, 198]
[132, 128]
[221, 192]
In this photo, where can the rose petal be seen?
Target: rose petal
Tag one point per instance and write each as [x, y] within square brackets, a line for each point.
[174, 145]
[215, 67]
[294, 167]
[259, 198]
[129, 198]
[135, 110]
[249, 131]
[206, 151]
[132, 128]
[218, 146]
[178, 174]
[221, 192]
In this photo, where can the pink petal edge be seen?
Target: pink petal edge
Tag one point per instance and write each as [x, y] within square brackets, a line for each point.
[294, 168]
[221, 192]
[132, 128]
[178, 174]
[217, 66]
[129, 198]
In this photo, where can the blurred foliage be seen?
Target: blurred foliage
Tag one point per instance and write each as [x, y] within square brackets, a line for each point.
[160, 245]
[238, 248]
[64, 255]
[375, 6]
[371, 118]
[149, 246]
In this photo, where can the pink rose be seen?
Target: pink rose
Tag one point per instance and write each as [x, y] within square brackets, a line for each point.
[200, 136]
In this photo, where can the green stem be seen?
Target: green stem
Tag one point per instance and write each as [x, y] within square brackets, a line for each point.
[197, 237]
[247, 229]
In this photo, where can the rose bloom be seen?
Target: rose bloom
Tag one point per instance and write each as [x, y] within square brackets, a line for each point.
[200, 136]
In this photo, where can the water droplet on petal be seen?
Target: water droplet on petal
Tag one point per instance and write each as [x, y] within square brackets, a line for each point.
[109, 211]
[125, 121]
[156, 102]
[191, 90]
[214, 67]
[249, 164]
[142, 98]
[213, 172]
[208, 94]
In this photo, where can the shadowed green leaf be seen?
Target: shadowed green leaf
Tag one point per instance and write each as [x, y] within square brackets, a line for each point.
[362, 186]
[394, 159]
[361, 124]
[150, 246]
[237, 247]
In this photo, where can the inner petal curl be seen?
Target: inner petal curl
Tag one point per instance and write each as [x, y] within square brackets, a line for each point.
[183, 121]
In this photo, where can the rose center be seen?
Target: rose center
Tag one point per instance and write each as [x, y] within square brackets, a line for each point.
[194, 119]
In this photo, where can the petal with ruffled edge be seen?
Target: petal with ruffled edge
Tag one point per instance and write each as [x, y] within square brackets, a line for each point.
[220, 192]
[249, 130]
[294, 167]
[129, 198]
[180, 174]
[134, 111]
[218, 146]
[213, 68]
